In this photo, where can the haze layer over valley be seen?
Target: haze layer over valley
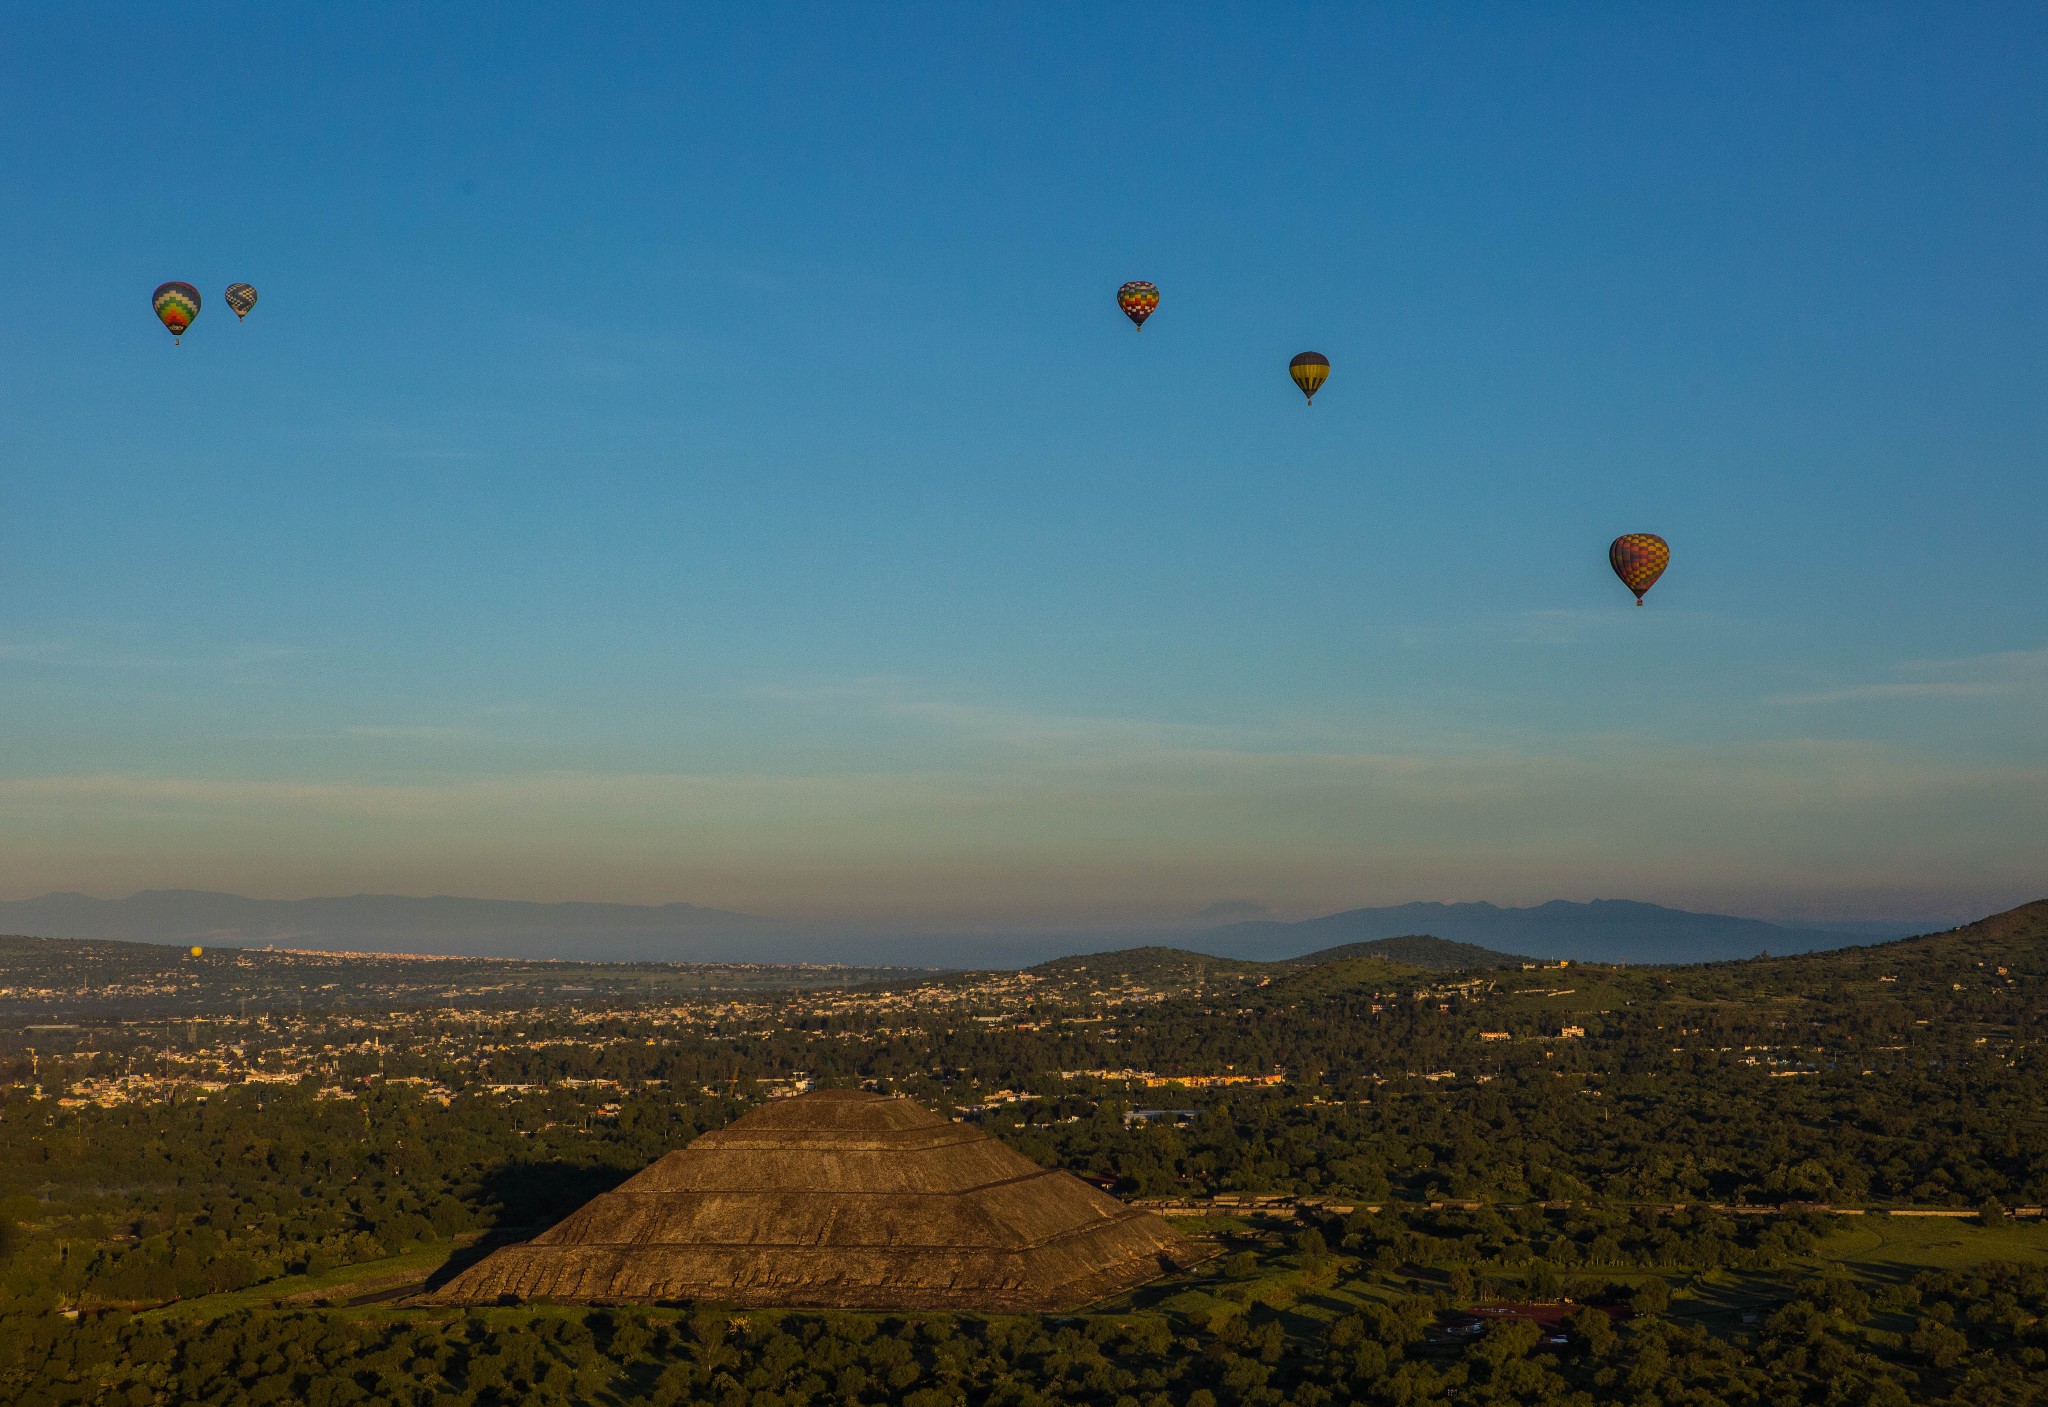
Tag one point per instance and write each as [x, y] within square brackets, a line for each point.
[1608, 931]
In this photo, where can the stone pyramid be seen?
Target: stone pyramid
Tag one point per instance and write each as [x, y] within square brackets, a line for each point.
[839, 1199]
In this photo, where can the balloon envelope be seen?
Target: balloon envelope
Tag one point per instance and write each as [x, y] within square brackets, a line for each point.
[1139, 300]
[1309, 370]
[176, 304]
[1639, 559]
[241, 297]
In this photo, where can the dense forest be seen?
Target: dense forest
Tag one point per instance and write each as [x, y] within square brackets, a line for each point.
[1660, 1154]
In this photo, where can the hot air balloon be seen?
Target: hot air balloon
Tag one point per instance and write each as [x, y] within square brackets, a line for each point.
[198, 951]
[1639, 559]
[1139, 300]
[241, 297]
[1310, 370]
[176, 305]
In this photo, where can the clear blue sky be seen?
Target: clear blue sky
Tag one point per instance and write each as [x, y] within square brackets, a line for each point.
[697, 456]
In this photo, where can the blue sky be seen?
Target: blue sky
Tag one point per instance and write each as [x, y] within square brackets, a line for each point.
[696, 455]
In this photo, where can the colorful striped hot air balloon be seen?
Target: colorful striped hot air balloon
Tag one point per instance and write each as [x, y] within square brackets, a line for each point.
[176, 305]
[1310, 370]
[1639, 559]
[1139, 300]
[241, 297]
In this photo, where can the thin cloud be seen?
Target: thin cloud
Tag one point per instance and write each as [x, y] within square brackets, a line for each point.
[2010, 665]
[1805, 777]
[1023, 730]
[268, 654]
[1559, 627]
[98, 652]
[1869, 693]
[1552, 626]
[1014, 729]
[1998, 675]
[874, 689]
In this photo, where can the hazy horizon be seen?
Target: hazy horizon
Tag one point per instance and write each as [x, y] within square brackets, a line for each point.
[1129, 921]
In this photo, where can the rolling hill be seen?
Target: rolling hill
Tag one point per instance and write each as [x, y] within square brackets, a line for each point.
[1415, 950]
[1605, 930]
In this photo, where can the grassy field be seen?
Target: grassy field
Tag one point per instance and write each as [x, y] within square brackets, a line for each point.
[1892, 1247]
[1876, 1250]
[332, 1287]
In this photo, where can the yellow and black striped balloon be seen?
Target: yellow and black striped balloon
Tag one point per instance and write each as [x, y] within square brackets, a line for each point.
[1310, 370]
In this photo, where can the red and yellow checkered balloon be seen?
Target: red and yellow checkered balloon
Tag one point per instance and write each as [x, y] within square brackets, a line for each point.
[1639, 559]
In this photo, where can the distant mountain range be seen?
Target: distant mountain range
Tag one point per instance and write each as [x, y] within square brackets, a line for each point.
[1608, 930]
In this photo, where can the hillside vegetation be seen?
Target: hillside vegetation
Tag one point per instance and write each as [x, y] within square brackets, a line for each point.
[1416, 950]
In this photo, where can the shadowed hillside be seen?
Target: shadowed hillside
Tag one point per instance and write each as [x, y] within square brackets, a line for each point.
[1417, 950]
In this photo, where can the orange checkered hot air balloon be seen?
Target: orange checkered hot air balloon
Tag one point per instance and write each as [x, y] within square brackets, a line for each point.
[1639, 559]
[175, 305]
[1139, 300]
